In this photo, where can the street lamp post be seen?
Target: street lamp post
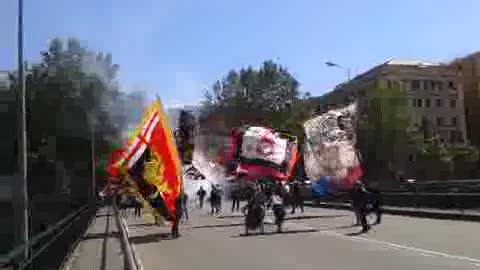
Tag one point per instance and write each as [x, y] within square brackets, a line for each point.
[92, 149]
[21, 193]
[332, 64]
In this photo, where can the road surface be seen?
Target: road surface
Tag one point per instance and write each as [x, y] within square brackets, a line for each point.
[317, 239]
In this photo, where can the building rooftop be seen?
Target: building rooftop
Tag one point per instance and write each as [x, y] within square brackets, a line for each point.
[409, 62]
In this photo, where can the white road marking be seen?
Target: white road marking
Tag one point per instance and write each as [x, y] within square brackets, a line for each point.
[403, 247]
[389, 245]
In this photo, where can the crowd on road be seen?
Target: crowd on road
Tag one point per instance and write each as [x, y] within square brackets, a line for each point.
[257, 199]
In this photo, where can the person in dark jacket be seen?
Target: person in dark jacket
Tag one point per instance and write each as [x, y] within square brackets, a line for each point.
[255, 212]
[201, 193]
[297, 200]
[185, 206]
[235, 199]
[278, 207]
[361, 197]
[177, 216]
[376, 201]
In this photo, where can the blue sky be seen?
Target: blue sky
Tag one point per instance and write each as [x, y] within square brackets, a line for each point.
[177, 48]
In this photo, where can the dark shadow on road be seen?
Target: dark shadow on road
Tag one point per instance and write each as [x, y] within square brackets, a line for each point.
[101, 235]
[275, 233]
[356, 233]
[103, 215]
[343, 227]
[232, 216]
[218, 226]
[142, 225]
[149, 238]
[314, 217]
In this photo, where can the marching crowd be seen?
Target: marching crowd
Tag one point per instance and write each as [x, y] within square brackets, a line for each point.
[259, 199]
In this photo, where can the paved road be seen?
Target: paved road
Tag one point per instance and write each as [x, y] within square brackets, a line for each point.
[319, 238]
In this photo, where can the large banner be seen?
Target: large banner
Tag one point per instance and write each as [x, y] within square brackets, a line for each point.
[259, 152]
[330, 147]
[264, 144]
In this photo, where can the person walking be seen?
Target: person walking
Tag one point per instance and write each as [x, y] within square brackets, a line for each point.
[362, 196]
[177, 216]
[278, 207]
[138, 207]
[185, 206]
[235, 199]
[297, 200]
[201, 193]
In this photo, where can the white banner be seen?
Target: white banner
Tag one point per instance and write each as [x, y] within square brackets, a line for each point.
[330, 143]
[264, 144]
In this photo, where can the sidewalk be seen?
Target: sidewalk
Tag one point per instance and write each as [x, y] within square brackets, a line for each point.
[100, 247]
[457, 214]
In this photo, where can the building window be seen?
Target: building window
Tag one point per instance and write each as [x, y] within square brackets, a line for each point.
[389, 84]
[453, 103]
[427, 103]
[454, 121]
[459, 136]
[452, 85]
[419, 103]
[440, 86]
[361, 92]
[452, 136]
[411, 157]
[440, 121]
[415, 84]
[438, 103]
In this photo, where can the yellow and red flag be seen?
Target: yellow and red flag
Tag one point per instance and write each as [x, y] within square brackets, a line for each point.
[152, 149]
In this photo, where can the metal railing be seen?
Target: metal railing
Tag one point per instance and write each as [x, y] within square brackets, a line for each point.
[42, 242]
[131, 262]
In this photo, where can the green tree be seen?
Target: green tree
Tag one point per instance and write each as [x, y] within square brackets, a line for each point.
[65, 91]
[382, 132]
[265, 96]
[435, 150]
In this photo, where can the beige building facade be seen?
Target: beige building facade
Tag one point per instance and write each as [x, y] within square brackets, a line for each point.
[435, 104]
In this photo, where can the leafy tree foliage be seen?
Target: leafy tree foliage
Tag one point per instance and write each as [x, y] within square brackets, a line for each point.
[383, 136]
[268, 96]
[70, 94]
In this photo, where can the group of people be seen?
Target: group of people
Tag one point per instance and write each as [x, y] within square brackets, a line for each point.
[260, 198]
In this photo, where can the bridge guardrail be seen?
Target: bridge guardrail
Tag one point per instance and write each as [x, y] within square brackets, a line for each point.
[131, 262]
[44, 248]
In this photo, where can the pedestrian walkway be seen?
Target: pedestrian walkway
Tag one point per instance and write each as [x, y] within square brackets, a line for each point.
[467, 214]
[100, 247]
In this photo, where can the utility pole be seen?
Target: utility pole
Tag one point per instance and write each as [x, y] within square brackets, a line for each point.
[21, 193]
[92, 149]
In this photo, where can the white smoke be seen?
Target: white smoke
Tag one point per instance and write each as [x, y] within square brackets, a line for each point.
[206, 164]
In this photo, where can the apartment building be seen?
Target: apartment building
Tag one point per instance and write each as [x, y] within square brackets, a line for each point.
[435, 107]
[469, 68]
[434, 92]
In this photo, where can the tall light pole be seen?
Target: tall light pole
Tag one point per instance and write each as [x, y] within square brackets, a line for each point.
[332, 64]
[93, 122]
[22, 182]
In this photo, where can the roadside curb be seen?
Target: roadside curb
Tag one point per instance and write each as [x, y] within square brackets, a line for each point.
[458, 215]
